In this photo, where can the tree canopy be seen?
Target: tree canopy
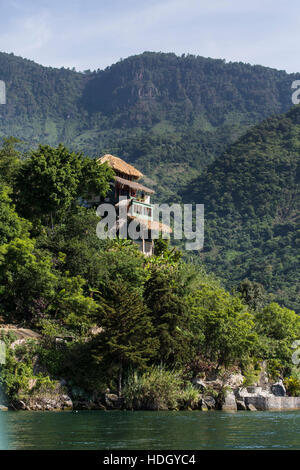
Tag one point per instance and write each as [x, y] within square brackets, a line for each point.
[51, 180]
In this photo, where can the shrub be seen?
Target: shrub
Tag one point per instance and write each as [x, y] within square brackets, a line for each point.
[190, 396]
[18, 372]
[155, 389]
[251, 372]
[292, 385]
[275, 369]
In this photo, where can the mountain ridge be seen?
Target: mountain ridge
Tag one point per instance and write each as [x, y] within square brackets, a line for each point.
[141, 91]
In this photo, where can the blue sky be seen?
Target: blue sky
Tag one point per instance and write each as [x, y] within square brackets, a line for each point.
[96, 33]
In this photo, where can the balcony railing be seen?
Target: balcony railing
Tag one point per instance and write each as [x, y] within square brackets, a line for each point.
[140, 209]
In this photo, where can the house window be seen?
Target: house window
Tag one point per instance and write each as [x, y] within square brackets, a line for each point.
[147, 211]
[142, 210]
[138, 209]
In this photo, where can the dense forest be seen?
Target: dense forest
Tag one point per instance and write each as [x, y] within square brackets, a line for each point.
[144, 327]
[151, 91]
[252, 204]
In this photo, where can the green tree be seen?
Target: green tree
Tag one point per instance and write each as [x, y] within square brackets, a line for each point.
[162, 249]
[221, 324]
[252, 293]
[127, 339]
[27, 282]
[75, 247]
[163, 296]
[11, 225]
[53, 179]
[10, 161]
[278, 328]
[72, 307]
[122, 262]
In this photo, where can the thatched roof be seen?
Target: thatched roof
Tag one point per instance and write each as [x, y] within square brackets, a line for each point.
[119, 165]
[152, 224]
[134, 185]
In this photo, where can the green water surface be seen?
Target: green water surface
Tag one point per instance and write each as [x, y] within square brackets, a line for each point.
[149, 430]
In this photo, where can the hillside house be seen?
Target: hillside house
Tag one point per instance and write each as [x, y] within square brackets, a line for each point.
[137, 202]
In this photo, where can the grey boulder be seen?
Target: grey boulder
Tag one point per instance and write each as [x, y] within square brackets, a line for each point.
[278, 389]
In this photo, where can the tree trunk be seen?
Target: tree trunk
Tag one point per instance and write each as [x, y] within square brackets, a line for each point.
[120, 380]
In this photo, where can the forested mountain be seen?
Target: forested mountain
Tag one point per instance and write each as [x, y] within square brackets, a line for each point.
[152, 91]
[172, 117]
[152, 87]
[252, 205]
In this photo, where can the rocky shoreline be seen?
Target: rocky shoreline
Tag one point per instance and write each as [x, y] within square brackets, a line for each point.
[252, 398]
[212, 390]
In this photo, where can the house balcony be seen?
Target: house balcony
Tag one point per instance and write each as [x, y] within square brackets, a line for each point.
[141, 208]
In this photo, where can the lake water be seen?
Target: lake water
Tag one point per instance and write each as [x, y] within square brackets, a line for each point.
[149, 430]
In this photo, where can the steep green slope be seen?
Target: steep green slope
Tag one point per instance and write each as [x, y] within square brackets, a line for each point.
[41, 102]
[152, 87]
[152, 91]
[252, 201]
[170, 160]
[177, 114]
